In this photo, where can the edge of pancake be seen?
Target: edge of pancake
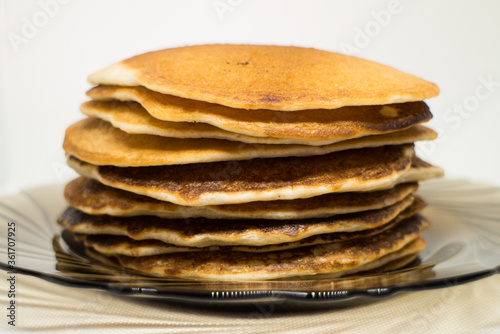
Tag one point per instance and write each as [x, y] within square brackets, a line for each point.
[215, 192]
[337, 258]
[99, 143]
[123, 245]
[421, 171]
[202, 232]
[149, 125]
[285, 125]
[390, 262]
[92, 197]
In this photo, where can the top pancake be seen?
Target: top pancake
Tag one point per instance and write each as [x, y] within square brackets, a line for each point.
[266, 77]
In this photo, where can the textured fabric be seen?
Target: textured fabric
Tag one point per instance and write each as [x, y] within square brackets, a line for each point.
[44, 307]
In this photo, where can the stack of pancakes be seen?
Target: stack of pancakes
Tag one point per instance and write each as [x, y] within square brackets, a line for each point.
[242, 162]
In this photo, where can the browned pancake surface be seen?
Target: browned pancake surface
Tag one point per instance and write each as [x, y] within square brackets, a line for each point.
[259, 179]
[92, 197]
[98, 142]
[201, 232]
[319, 259]
[310, 125]
[315, 128]
[269, 77]
[122, 245]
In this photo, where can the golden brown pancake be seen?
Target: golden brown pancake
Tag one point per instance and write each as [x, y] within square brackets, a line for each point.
[335, 258]
[259, 179]
[132, 118]
[369, 278]
[122, 245]
[202, 232]
[266, 77]
[99, 143]
[92, 197]
[371, 271]
[421, 171]
[395, 273]
[321, 125]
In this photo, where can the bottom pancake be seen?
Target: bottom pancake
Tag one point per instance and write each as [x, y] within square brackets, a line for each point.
[386, 263]
[334, 259]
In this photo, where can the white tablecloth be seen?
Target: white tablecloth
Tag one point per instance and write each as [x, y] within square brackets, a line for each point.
[44, 307]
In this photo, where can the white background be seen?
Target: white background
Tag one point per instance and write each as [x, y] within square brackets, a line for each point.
[43, 70]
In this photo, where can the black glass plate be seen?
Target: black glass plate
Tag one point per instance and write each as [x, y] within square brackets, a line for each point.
[463, 244]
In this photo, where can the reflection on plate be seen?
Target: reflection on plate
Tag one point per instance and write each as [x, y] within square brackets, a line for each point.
[463, 244]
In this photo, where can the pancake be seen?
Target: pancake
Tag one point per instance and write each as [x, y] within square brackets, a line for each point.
[266, 77]
[421, 171]
[122, 245]
[399, 263]
[92, 197]
[99, 143]
[202, 232]
[335, 258]
[368, 278]
[372, 271]
[134, 119]
[259, 179]
[325, 126]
